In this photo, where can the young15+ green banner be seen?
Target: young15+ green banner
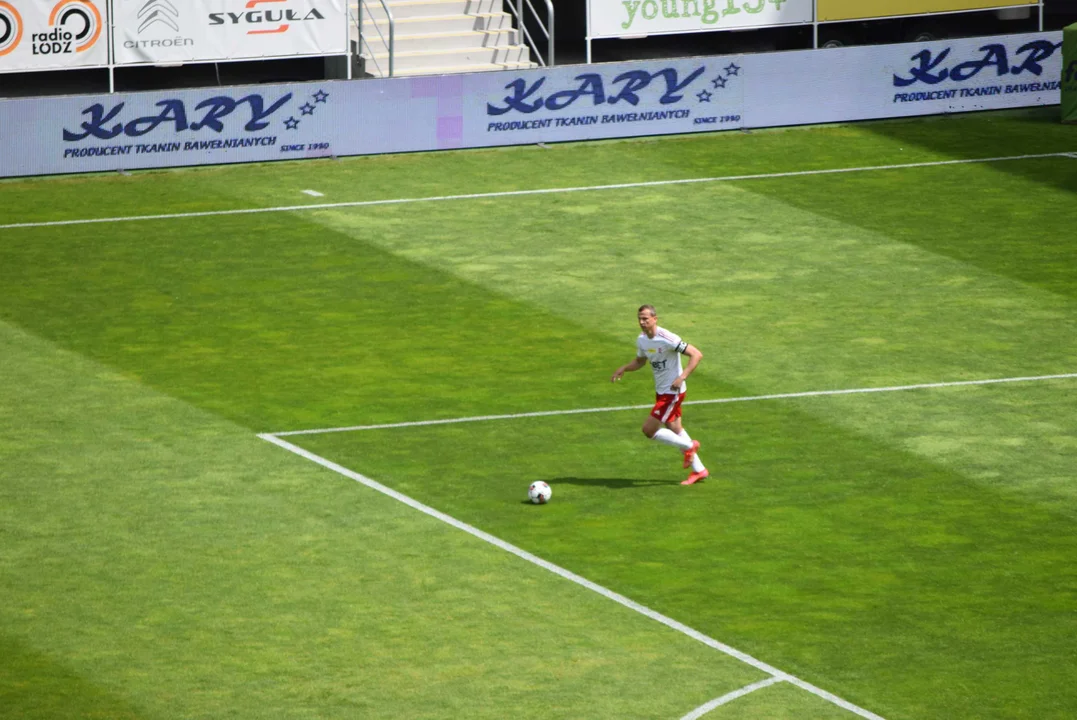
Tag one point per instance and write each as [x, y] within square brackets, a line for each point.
[618, 18]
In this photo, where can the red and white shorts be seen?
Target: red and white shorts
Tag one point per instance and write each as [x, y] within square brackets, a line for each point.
[667, 408]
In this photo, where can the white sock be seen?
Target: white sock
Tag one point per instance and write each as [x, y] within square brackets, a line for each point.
[697, 464]
[667, 436]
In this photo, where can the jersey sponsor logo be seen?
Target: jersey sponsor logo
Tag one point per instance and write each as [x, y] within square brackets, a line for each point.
[659, 364]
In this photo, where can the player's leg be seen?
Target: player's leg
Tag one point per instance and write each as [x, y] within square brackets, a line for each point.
[651, 426]
[691, 459]
[664, 407]
[691, 456]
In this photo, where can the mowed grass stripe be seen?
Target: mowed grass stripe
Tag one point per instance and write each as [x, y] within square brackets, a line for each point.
[777, 675]
[905, 585]
[161, 562]
[508, 194]
[1028, 131]
[795, 300]
[1010, 221]
[799, 300]
[716, 401]
[289, 324]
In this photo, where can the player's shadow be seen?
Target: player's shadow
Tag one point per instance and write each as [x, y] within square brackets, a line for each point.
[614, 483]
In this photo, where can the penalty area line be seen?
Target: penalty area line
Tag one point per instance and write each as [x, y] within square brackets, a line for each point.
[775, 674]
[716, 401]
[516, 193]
[730, 697]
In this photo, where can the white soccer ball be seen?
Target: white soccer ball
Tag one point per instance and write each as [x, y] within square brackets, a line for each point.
[539, 492]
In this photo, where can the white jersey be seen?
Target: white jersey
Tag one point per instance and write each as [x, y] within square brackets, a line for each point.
[663, 352]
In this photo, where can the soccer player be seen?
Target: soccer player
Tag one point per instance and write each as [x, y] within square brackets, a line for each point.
[663, 350]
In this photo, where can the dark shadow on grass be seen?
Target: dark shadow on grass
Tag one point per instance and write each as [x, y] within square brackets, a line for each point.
[34, 684]
[614, 483]
[1002, 133]
[933, 208]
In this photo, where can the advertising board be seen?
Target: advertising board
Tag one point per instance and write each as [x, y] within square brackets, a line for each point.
[882, 81]
[584, 102]
[53, 35]
[170, 31]
[1069, 74]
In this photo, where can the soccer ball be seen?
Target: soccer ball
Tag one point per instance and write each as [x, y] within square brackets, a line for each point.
[539, 492]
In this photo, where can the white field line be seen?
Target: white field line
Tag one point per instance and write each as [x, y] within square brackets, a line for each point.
[751, 398]
[729, 697]
[517, 193]
[572, 577]
[313, 193]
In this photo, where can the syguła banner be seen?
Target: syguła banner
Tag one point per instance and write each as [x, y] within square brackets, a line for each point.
[165, 31]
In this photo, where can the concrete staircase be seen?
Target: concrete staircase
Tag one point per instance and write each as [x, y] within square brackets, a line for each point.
[438, 37]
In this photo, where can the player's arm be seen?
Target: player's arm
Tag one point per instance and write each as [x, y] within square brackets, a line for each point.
[630, 367]
[694, 356]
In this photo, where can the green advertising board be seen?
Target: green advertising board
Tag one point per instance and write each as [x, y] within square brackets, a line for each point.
[1069, 74]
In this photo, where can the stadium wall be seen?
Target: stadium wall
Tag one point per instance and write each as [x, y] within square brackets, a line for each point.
[41, 136]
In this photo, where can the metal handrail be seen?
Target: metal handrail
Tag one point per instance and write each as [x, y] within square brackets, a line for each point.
[518, 11]
[391, 44]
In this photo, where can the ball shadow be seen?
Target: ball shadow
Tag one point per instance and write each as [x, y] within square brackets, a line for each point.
[613, 483]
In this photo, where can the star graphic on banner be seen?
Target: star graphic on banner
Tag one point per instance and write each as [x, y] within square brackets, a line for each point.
[719, 82]
[306, 109]
[704, 95]
[291, 123]
[732, 69]
[320, 96]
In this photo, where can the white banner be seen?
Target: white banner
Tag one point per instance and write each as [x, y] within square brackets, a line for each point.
[620, 18]
[61, 34]
[171, 31]
[883, 81]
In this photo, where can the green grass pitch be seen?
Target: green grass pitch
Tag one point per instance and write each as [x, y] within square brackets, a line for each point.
[911, 552]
